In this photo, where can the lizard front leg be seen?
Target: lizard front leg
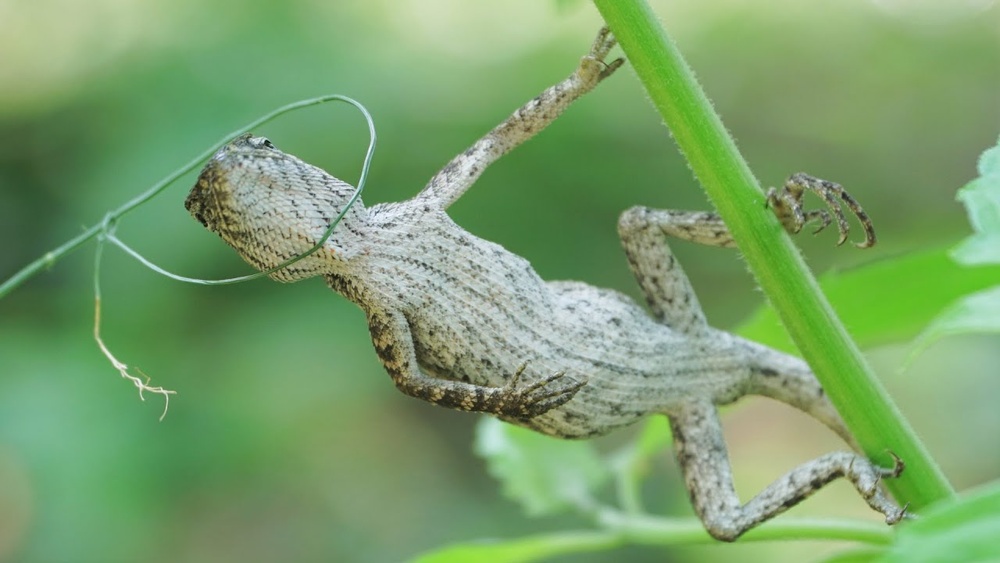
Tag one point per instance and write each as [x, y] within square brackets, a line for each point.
[701, 452]
[787, 205]
[517, 400]
[661, 278]
[458, 175]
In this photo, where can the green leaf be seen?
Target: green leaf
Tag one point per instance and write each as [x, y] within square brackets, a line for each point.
[544, 474]
[982, 201]
[863, 555]
[979, 312]
[654, 439]
[965, 530]
[522, 550]
[631, 464]
[566, 6]
[976, 313]
[876, 302]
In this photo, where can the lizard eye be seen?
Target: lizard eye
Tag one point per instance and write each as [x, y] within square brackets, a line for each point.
[260, 143]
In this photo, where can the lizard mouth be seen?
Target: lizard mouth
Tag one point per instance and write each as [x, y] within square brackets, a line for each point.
[195, 205]
[204, 201]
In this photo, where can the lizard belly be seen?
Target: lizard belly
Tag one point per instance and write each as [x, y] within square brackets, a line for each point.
[633, 365]
[477, 312]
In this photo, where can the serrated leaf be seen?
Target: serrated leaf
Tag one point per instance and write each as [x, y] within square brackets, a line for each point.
[967, 531]
[545, 475]
[988, 164]
[977, 312]
[981, 198]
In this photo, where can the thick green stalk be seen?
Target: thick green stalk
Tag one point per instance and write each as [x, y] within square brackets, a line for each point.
[770, 254]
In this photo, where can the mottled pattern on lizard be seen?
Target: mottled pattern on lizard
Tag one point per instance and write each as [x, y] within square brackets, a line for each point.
[461, 322]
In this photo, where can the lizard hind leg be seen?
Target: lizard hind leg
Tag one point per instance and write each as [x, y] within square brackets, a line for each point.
[789, 380]
[701, 453]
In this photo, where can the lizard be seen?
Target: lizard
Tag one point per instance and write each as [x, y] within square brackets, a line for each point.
[463, 323]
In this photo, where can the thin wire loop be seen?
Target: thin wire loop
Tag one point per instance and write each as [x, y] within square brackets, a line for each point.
[49, 259]
[108, 235]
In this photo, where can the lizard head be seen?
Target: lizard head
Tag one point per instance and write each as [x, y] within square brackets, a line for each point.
[271, 206]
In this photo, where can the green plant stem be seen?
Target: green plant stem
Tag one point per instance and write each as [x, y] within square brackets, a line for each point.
[770, 254]
[620, 530]
[53, 256]
[677, 531]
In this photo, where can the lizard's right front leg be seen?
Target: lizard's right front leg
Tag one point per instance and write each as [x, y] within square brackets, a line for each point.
[516, 400]
[661, 278]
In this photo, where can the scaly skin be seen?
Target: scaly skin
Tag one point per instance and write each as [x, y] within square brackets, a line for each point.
[461, 322]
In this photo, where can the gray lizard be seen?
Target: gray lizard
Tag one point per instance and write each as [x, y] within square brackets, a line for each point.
[460, 322]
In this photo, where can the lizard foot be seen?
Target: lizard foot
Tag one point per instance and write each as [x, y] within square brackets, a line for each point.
[896, 470]
[524, 402]
[867, 477]
[593, 66]
[897, 467]
[787, 205]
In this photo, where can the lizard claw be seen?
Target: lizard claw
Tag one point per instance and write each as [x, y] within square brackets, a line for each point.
[603, 43]
[593, 66]
[893, 514]
[787, 205]
[867, 477]
[897, 467]
[524, 402]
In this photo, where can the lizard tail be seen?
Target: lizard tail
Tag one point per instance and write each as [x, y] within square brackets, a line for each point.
[788, 379]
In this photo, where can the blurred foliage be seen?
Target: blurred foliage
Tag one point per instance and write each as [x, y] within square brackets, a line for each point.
[286, 440]
[981, 198]
[544, 475]
[961, 531]
[977, 312]
[876, 300]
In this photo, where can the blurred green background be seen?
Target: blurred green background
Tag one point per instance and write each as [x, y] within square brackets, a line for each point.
[286, 440]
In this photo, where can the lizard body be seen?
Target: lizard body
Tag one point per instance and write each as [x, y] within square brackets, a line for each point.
[463, 323]
[476, 313]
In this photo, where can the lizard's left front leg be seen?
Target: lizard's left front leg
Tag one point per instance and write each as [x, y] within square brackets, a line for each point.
[516, 400]
[451, 182]
[701, 452]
